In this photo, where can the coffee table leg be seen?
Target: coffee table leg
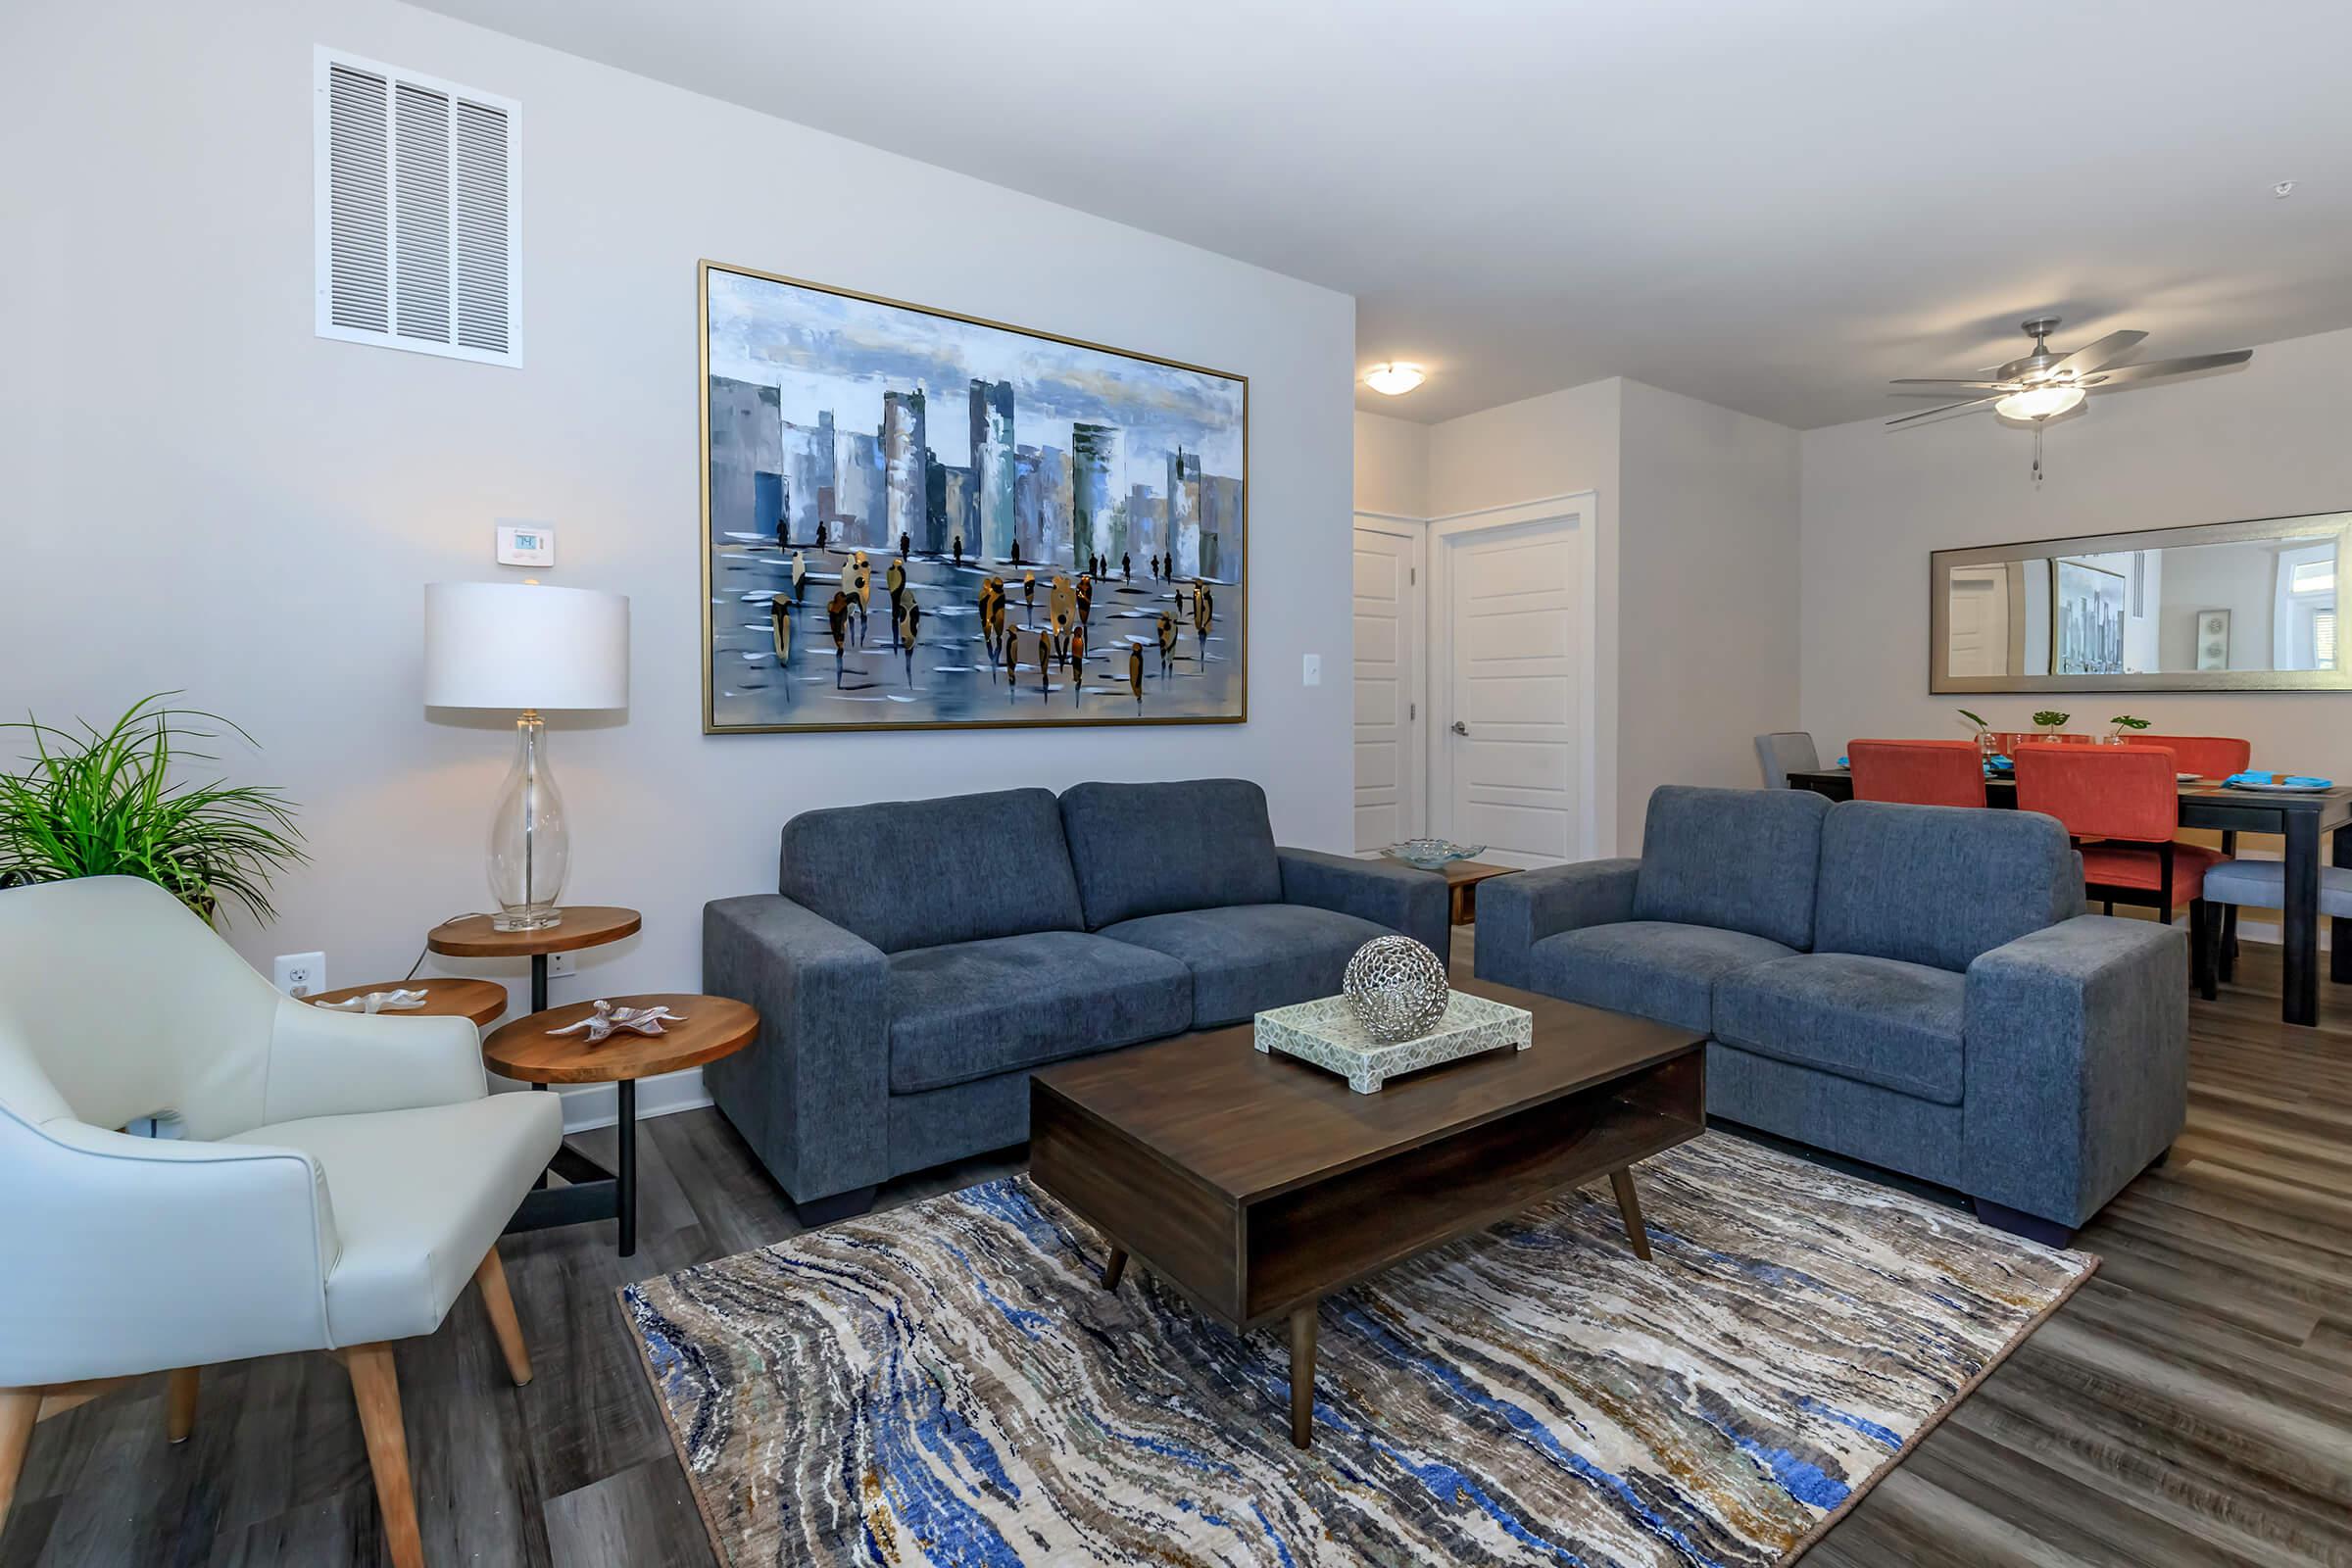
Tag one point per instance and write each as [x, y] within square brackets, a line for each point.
[1302, 1375]
[625, 1185]
[1112, 1270]
[1630, 1207]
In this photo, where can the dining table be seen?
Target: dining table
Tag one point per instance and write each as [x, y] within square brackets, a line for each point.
[2300, 820]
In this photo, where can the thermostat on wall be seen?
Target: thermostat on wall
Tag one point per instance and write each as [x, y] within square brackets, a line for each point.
[525, 544]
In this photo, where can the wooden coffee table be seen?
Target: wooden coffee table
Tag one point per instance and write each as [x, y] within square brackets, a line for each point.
[1256, 1184]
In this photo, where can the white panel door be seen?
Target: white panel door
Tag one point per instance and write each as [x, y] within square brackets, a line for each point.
[1979, 642]
[1507, 692]
[1390, 758]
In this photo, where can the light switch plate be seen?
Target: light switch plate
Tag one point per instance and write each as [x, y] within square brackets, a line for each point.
[1311, 671]
[525, 544]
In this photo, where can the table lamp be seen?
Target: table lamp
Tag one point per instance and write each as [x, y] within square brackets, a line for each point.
[524, 647]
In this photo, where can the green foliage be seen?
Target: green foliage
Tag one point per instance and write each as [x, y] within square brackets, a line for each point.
[2051, 718]
[1976, 719]
[2128, 721]
[102, 804]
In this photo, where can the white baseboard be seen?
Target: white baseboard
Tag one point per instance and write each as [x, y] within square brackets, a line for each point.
[587, 1106]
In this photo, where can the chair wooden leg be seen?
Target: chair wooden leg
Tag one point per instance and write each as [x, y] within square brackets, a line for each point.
[179, 1404]
[19, 1409]
[2230, 941]
[492, 1278]
[377, 1387]
[2201, 929]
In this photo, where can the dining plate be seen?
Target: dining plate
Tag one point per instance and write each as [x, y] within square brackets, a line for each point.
[2188, 778]
[2282, 789]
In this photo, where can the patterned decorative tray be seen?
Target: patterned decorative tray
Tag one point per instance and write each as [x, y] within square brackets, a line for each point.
[1325, 1032]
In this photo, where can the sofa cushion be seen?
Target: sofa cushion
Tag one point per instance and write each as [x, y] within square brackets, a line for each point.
[1251, 957]
[972, 1009]
[1742, 859]
[1875, 1021]
[1650, 968]
[1939, 884]
[1149, 848]
[919, 874]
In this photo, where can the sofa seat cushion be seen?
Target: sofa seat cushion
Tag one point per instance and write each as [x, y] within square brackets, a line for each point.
[973, 1010]
[1247, 958]
[1875, 1020]
[1659, 969]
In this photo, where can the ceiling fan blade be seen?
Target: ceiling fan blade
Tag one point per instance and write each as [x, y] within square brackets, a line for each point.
[2126, 374]
[2106, 351]
[1928, 413]
[1934, 382]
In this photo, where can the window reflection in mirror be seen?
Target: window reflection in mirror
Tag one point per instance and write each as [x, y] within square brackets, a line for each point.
[2215, 607]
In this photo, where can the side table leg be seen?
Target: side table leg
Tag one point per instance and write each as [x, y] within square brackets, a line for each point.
[539, 1000]
[1302, 1376]
[1112, 1270]
[1630, 1208]
[625, 1184]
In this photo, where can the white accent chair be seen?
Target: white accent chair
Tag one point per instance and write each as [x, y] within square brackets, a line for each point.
[341, 1178]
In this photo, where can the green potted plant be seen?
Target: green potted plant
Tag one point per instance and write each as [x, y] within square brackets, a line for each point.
[104, 803]
[2124, 724]
[1986, 746]
[2050, 721]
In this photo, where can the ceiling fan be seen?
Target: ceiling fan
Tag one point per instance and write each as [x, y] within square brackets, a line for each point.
[2046, 383]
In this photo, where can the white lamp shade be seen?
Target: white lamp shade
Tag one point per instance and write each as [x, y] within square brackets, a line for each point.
[513, 645]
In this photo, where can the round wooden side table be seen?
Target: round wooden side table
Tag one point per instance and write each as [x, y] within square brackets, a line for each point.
[584, 925]
[482, 1001]
[707, 1029]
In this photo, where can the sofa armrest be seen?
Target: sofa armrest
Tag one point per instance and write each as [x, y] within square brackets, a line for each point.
[1382, 892]
[812, 1094]
[1515, 912]
[2075, 1058]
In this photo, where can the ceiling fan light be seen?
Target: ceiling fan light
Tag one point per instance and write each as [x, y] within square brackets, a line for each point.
[1395, 380]
[2038, 403]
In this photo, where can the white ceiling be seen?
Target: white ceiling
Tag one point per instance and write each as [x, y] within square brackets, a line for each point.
[1776, 207]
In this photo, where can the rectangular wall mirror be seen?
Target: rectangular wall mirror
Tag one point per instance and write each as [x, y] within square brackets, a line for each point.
[2216, 607]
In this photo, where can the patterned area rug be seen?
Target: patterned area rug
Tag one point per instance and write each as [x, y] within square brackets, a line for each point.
[949, 1383]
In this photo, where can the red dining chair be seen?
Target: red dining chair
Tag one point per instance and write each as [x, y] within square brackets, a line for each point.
[1918, 772]
[2122, 806]
[2213, 757]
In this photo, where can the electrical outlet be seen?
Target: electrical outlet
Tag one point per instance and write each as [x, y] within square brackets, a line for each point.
[560, 964]
[300, 974]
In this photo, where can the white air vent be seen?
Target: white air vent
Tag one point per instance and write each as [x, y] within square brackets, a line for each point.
[420, 213]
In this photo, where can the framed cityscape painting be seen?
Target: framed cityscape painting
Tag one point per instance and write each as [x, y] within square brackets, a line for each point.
[915, 519]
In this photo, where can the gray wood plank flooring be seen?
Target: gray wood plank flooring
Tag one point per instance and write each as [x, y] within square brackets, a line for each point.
[2193, 1405]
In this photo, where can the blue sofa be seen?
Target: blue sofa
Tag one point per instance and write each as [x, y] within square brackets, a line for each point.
[1913, 986]
[920, 958]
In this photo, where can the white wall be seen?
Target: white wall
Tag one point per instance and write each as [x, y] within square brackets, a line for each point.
[1707, 590]
[2266, 441]
[201, 494]
[1392, 465]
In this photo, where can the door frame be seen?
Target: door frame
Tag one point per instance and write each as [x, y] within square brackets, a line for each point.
[1581, 510]
[1413, 760]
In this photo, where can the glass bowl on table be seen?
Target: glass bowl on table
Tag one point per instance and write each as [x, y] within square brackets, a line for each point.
[1432, 854]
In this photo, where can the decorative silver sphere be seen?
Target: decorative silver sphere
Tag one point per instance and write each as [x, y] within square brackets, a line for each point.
[1397, 989]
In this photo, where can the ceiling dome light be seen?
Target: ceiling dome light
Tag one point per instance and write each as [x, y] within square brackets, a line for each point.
[1395, 380]
[2038, 403]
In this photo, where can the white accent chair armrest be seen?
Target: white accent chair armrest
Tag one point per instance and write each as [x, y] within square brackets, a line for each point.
[324, 1063]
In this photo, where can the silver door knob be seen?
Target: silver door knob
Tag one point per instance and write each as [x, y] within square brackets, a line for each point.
[1460, 728]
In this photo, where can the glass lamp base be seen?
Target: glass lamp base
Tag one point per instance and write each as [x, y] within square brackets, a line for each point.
[530, 847]
[527, 917]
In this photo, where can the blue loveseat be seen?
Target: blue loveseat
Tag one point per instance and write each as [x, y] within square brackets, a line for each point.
[1913, 986]
[920, 958]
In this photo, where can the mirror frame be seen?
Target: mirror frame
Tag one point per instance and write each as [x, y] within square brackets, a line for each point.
[2312, 524]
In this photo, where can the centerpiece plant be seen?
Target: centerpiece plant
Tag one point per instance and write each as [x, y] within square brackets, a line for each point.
[109, 803]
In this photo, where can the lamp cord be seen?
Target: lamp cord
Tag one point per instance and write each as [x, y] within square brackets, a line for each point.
[421, 953]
